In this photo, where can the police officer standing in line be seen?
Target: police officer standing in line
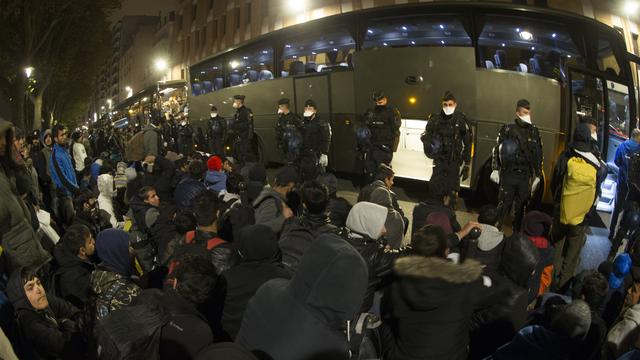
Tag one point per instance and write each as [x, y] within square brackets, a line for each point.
[242, 129]
[447, 140]
[288, 132]
[517, 163]
[216, 132]
[384, 123]
[316, 142]
[185, 136]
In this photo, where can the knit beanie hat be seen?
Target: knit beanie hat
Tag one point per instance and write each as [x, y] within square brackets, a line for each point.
[214, 163]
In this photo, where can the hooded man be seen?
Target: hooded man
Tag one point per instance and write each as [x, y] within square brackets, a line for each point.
[312, 309]
[19, 241]
[48, 325]
[258, 248]
[576, 178]
[73, 254]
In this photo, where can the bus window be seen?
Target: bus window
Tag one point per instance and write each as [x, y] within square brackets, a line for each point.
[516, 44]
[417, 31]
[250, 65]
[618, 95]
[606, 59]
[329, 51]
[207, 77]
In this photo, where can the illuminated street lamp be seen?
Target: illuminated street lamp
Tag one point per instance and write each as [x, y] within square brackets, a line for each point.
[160, 64]
[28, 71]
[296, 5]
[631, 8]
[129, 91]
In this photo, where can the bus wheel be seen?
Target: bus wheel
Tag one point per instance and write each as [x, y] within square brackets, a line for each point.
[257, 149]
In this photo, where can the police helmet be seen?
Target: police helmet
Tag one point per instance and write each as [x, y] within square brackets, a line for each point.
[378, 95]
[507, 151]
[363, 135]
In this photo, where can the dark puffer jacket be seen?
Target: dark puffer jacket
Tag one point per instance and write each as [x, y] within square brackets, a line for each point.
[428, 309]
[109, 292]
[506, 313]
[258, 247]
[52, 333]
[187, 190]
[305, 318]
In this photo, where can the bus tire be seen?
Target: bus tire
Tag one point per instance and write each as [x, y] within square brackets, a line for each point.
[486, 190]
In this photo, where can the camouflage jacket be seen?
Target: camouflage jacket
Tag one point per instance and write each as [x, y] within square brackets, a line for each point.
[109, 291]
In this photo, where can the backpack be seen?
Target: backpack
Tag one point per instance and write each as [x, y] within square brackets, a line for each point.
[293, 243]
[134, 150]
[189, 248]
[132, 332]
[236, 215]
[578, 191]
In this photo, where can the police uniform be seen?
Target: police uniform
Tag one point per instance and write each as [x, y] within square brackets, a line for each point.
[447, 140]
[242, 128]
[518, 157]
[216, 133]
[383, 122]
[185, 139]
[316, 140]
[289, 135]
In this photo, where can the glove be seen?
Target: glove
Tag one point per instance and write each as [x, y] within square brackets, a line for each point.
[464, 173]
[495, 176]
[535, 184]
[324, 160]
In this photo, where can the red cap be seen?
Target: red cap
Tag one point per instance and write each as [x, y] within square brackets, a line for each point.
[214, 163]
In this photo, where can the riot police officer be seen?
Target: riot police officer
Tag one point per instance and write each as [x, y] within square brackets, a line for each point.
[185, 136]
[316, 142]
[288, 132]
[216, 132]
[242, 129]
[517, 163]
[384, 123]
[447, 140]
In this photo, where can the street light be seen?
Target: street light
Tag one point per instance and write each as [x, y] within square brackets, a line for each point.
[631, 8]
[296, 5]
[160, 64]
[28, 71]
[129, 91]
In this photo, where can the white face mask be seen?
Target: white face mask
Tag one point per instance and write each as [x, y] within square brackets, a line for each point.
[308, 113]
[280, 111]
[525, 118]
[594, 136]
[183, 123]
[448, 110]
[214, 114]
[236, 105]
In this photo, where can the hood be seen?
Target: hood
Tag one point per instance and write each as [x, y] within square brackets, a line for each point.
[105, 185]
[581, 139]
[43, 135]
[121, 167]
[367, 219]
[536, 223]
[633, 314]
[267, 191]
[330, 181]
[519, 259]
[331, 280]
[4, 126]
[15, 289]
[490, 237]
[112, 247]
[254, 188]
[258, 243]
[215, 177]
[425, 281]
[621, 268]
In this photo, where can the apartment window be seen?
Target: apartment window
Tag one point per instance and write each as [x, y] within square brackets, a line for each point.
[223, 30]
[238, 18]
[194, 9]
[634, 40]
[249, 13]
[210, 5]
[182, 74]
[214, 30]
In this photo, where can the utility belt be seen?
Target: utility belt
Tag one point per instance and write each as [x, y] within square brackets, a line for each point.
[518, 171]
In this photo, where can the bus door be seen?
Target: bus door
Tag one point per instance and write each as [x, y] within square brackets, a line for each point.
[587, 100]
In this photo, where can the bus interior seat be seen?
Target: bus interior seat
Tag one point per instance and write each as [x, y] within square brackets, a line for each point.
[296, 68]
[265, 75]
[489, 64]
[218, 83]
[501, 59]
[522, 68]
[310, 67]
[235, 79]
[284, 73]
[251, 75]
[534, 63]
[208, 86]
[196, 88]
[321, 67]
